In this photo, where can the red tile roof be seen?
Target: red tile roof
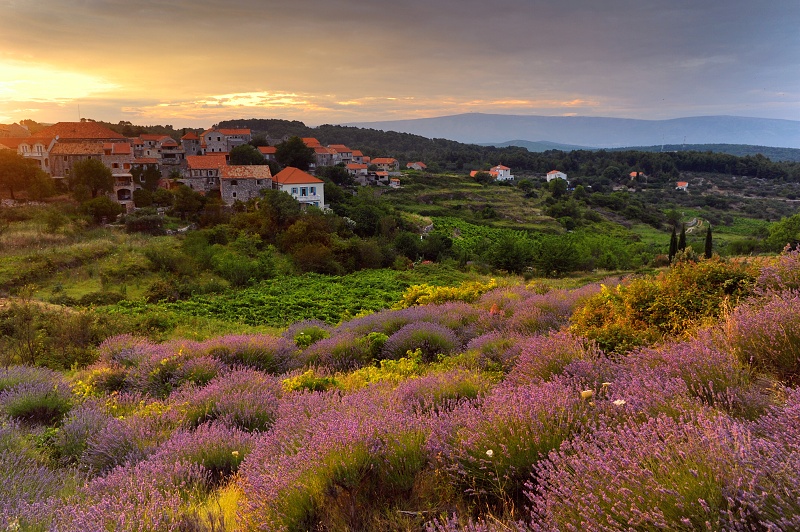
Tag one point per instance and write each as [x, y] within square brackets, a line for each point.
[323, 150]
[682, 183]
[78, 131]
[311, 142]
[234, 131]
[117, 148]
[14, 142]
[554, 172]
[87, 147]
[501, 167]
[190, 136]
[292, 176]
[206, 162]
[384, 160]
[356, 166]
[418, 163]
[357, 153]
[340, 148]
[267, 150]
[245, 172]
[145, 160]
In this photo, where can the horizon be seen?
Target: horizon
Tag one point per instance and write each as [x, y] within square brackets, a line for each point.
[194, 63]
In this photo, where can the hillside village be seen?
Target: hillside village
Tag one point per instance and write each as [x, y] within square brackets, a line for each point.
[199, 161]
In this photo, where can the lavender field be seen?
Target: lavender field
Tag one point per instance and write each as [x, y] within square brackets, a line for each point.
[656, 403]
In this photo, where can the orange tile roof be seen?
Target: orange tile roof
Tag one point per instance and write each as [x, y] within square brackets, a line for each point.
[267, 150]
[206, 162]
[357, 153]
[418, 163]
[356, 166]
[118, 148]
[78, 131]
[683, 183]
[294, 176]
[323, 150]
[14, 142]
[554, 172]
[151, 136]
[382, 174]
[311, 142]
[255, 171]
[501, 167]
[87, 147]
[145, 160]
[384, 160]
[340, 148]
[234, 131]
[190, 136]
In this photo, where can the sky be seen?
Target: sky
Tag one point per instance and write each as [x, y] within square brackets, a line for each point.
[193, 63]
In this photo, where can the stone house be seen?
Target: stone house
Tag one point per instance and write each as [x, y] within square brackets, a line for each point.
[242, 183]
[386, 164]
[202, 172]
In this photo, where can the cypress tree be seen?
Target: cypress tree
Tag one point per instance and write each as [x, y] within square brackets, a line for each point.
[673, 244]
[682, 238]
[708, 242]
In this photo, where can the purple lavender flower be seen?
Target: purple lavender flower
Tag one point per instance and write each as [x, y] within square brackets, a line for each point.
[431, 338]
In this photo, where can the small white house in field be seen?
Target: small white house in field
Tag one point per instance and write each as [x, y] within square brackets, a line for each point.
[302, 186]
[501, 173]
[681, 185]
[555, 174]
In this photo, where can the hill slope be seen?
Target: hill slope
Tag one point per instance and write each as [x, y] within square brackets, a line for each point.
[600, 131]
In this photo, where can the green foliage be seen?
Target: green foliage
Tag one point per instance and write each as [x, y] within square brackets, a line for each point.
[90, 177]
[786, 231]
[295, 153]
[16, 172]
[646, 310]
[101, 208]
[246, 154]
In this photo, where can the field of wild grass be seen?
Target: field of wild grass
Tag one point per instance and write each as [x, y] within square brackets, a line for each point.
[664, 402]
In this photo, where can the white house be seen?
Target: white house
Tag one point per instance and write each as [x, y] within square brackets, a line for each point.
[555, 174]
[681, 185]
[302, 186]
[501, 173]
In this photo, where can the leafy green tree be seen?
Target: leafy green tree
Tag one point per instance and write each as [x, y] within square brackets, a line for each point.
[247, 155]
[484, 178]
[709, 243]
[187, 202]
[558, 187]
[338, 174]
[91, 177]
[16, 172]
[557, 255]
[784, 232]
[142, 197]
[510, 253]
[101, 208]
[163, 198]
[294, 152]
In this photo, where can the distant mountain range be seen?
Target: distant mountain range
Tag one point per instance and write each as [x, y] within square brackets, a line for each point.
[598, 132]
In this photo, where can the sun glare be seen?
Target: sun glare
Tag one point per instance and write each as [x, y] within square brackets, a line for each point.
[25, 82]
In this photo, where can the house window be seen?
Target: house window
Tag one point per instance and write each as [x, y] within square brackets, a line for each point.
[294, 191]
[303, 191]
[114, 165]
[259, 181]
[233, 184]
[312, 191]
[233, 194]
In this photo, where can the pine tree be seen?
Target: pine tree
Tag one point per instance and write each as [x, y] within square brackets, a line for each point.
[708, 242]
[682, 238]
[673, 245]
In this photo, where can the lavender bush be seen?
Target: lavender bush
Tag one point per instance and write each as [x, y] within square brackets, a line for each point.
[431, 338]
[36, 402]
[767, 336]
[543, 357]
[263, 352]
[243, 398]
